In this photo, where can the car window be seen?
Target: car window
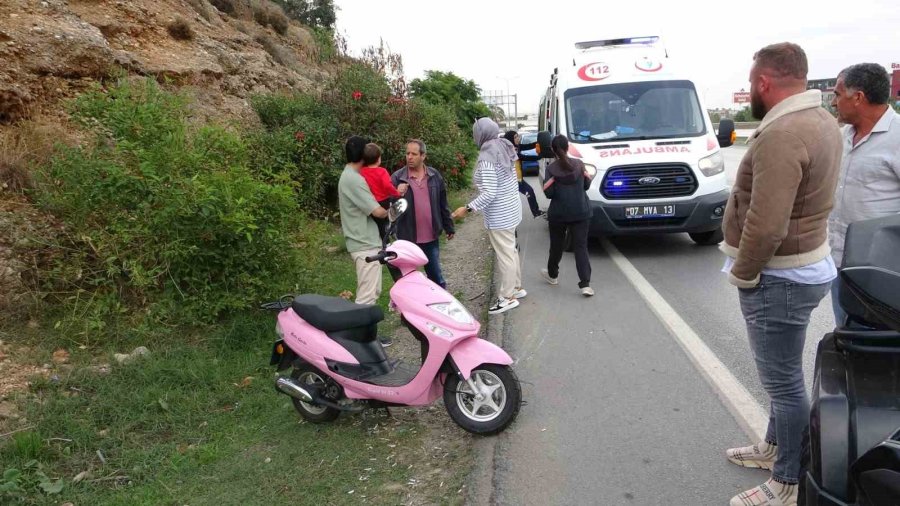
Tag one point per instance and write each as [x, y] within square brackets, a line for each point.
[528, 138]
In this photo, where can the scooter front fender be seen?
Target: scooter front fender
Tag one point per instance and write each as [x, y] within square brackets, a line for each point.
[472, 352]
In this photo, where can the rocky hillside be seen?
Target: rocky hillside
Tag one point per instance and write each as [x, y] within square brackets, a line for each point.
[220, 53]
[53, 49]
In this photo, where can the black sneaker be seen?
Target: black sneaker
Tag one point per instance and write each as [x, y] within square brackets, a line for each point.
[385, 341]
[503, 305]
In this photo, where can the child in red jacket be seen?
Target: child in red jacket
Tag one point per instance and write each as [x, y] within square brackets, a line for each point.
[379, 181]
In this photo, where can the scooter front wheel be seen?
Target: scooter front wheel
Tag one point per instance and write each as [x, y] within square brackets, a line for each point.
[488, 408]
[306, 374]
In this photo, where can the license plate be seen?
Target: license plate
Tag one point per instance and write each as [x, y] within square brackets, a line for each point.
[656, 211]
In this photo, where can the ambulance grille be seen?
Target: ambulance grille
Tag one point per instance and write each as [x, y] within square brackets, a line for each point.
[648, 181]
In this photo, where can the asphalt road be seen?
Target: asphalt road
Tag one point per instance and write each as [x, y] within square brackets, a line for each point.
[617, 413]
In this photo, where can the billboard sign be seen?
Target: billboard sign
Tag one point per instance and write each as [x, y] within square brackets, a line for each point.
[741, 97]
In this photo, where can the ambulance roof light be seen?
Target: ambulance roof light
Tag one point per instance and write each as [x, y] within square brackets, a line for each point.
[625, 41]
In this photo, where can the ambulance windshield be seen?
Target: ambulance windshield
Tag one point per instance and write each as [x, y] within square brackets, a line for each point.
[632, 111]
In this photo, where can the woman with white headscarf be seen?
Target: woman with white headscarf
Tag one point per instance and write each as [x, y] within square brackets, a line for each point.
[498, 200]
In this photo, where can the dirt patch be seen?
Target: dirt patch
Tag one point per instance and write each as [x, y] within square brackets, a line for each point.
[15, 373]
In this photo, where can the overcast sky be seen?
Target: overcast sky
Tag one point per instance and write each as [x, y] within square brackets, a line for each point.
[487, 40]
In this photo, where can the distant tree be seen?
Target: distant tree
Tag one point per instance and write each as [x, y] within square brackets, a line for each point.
[744, 115]
[497, 113]
[314, 13]
[447, 89]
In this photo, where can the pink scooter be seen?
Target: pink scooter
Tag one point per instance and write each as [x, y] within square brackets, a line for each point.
[337, 363]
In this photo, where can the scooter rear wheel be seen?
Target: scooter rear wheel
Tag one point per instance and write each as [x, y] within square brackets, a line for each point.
[498, 407]
[306, 374]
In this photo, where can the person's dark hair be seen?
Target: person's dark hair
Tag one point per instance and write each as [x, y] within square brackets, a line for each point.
[560, 147]
[354, 148]
[421, 144]
[870, 78]
[371, 154]
[510, 136]
[784, 59]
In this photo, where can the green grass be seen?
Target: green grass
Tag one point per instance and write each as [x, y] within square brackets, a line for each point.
[198, 421]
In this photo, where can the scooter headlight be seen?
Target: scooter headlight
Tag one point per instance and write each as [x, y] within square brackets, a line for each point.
[278, 330]
[453, 310]
[712, 164]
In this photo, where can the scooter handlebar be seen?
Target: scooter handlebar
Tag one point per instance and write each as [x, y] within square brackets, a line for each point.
[381, 257]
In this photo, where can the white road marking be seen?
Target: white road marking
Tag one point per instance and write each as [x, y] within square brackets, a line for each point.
[748, 413]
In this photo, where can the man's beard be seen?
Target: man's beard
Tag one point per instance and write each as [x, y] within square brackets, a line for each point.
[757, 107]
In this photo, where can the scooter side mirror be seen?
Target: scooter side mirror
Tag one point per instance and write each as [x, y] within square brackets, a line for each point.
[397, 208]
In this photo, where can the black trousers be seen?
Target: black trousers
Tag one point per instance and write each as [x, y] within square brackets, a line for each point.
[579, 233]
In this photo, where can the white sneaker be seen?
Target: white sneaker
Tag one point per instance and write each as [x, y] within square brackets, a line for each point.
[503, 305]
[587, 291]
[520, 294]
[546, 275]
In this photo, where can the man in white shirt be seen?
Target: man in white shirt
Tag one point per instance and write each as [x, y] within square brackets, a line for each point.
[869, 181]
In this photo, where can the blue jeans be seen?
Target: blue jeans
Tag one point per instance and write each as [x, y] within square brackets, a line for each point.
[777, 315]
[433, 267]
[528, 191]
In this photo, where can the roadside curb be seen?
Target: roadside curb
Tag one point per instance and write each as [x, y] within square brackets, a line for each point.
[487, 449]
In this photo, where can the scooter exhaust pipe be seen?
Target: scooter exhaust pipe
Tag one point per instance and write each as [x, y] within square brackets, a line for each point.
[290, 387]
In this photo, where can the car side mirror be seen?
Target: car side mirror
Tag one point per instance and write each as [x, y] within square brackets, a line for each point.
[727, 134]
[543, 145]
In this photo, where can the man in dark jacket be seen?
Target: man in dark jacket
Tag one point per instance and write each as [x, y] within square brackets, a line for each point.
[429, 211]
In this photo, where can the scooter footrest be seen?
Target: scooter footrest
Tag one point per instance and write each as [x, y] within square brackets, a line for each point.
[401, 375]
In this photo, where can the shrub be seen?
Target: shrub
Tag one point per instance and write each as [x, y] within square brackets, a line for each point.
[226, 6]
[303, 141]
[204, 9]
[180, 29]
[273, 16]
[28, 145]
[14, 173]
[162, 217]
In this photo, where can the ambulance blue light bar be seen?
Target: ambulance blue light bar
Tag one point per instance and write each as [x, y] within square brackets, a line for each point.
[627, 41]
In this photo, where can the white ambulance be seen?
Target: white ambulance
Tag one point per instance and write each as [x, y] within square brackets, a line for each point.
[638, 124]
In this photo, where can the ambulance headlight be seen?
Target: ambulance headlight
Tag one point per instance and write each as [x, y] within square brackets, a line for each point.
[591, 170]
[712, 164]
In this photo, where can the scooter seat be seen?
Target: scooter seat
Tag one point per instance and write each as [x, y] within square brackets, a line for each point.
[330, 314]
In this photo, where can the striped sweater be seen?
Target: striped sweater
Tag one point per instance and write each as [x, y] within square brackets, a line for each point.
[498, 197]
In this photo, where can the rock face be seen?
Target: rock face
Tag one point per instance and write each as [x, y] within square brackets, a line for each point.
[53, 49]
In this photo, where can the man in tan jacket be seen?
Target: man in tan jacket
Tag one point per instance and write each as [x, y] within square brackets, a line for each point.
[776, 242]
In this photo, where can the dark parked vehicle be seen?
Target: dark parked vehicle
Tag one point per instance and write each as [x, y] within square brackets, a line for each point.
[527, 153]
[853, 454]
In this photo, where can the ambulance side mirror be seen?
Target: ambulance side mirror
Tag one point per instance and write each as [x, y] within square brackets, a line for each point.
[726, 135]
[543, 145]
